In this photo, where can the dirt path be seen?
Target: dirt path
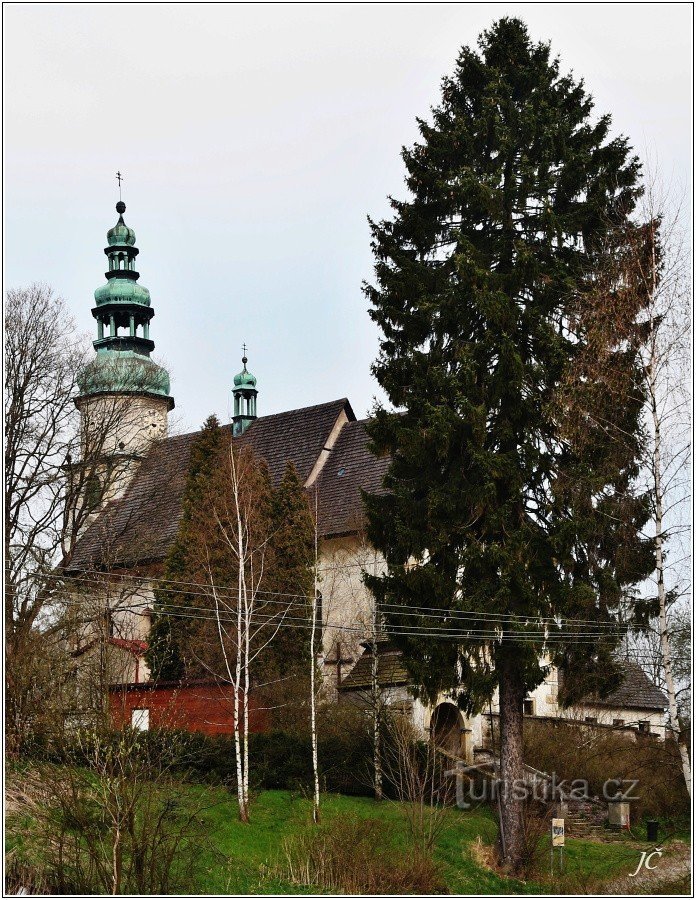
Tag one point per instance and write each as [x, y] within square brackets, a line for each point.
[672, 867]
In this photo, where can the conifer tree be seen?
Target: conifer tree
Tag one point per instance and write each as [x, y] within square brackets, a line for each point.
[492, 507]
[169, 641]
[291, 575]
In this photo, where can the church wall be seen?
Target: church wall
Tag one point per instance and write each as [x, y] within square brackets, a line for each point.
[347, 605]
[120, 428]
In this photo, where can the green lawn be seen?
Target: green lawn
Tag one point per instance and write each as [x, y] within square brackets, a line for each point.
[251, 852]
[242, 859]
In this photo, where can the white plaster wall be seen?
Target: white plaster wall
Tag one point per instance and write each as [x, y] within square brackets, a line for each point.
[347, 603]
[121, 427]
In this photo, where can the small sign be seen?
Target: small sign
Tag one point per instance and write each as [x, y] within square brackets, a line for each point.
[557, 832]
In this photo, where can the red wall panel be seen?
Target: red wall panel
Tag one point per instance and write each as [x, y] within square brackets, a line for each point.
[203, 706]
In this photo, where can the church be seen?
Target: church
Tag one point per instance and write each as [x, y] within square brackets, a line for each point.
[120, 552]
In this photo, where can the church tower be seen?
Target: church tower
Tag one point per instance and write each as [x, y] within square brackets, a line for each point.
[124, 396]
[244, 393]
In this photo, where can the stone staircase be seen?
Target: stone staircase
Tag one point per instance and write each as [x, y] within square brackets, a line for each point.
[580, 826]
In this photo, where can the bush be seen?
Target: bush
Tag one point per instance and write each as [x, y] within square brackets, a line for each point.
[598, 755]
[278, 759]
[116, 823]
[357, 856]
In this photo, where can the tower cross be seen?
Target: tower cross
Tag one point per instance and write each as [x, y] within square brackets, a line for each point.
[119, 178]
[244, 348]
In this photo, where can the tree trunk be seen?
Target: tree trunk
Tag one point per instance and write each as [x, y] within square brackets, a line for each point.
[511, 782]
[316, 813]
[377, 709]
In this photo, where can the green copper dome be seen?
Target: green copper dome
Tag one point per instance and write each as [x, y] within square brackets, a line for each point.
[245, 378]
[123, 372]
[123, 312]
[120, 233]
[122, 290]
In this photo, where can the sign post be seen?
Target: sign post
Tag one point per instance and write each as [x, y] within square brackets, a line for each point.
[557, 839]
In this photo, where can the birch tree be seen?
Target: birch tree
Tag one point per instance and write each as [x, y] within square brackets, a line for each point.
[313, 653]
[661, 263]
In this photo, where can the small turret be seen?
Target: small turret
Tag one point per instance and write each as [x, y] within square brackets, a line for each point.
[244, 393]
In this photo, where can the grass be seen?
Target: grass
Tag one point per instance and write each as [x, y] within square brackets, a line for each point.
[251, 851]
[242, 859]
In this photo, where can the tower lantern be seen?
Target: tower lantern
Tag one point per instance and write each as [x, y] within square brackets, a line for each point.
[244, 393]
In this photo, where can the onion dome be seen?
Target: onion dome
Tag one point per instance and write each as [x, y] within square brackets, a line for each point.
[120, 234]
[245, 378]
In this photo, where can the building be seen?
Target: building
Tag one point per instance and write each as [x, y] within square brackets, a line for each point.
[121, 552]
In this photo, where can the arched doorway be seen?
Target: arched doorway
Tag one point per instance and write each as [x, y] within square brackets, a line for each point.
[447, 729]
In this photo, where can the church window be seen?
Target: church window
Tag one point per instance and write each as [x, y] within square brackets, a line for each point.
[93, 492]
[320, 610]
[341, 472]
[528, 707]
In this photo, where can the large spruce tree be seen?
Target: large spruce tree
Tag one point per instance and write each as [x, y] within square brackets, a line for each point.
[493, 507]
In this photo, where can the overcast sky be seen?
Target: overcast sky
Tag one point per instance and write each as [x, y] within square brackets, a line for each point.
[255, 140]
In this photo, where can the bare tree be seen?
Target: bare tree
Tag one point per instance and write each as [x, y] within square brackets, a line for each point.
[663, 271]
[418, 773]
[246, 618]
[61, 465]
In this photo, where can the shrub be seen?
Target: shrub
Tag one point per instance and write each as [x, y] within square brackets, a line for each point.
[598, 755]
[357, 856]
[116, 823]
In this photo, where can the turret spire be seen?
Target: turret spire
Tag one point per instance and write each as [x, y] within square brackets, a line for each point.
[123, 313]
[244, 393]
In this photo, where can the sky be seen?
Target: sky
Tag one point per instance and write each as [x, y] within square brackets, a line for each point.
[255, 140]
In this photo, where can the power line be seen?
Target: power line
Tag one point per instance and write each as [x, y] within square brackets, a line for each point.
[396, 608]
[479, 635]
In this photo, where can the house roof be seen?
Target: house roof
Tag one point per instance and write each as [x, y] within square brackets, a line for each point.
[635, 691]
[135, 648]
[142, 525]
[350, 468]
[391, 671]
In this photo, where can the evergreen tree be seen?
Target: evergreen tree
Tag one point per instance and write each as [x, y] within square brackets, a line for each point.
[291, 574]
[170, 636]
[492, 506]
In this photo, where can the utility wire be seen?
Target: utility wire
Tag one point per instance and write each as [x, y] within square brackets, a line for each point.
[397, 608]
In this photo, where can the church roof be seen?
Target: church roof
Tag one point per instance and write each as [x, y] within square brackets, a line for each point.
[349, 468]
[141, 526]
[391, 671]
[635, 691]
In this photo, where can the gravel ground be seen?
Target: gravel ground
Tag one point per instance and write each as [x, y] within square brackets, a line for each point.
[672, 874]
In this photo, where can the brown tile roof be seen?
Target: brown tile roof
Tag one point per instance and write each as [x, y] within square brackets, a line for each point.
[349, 468]
[391, 671]
[142, 525]
[636, 691]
